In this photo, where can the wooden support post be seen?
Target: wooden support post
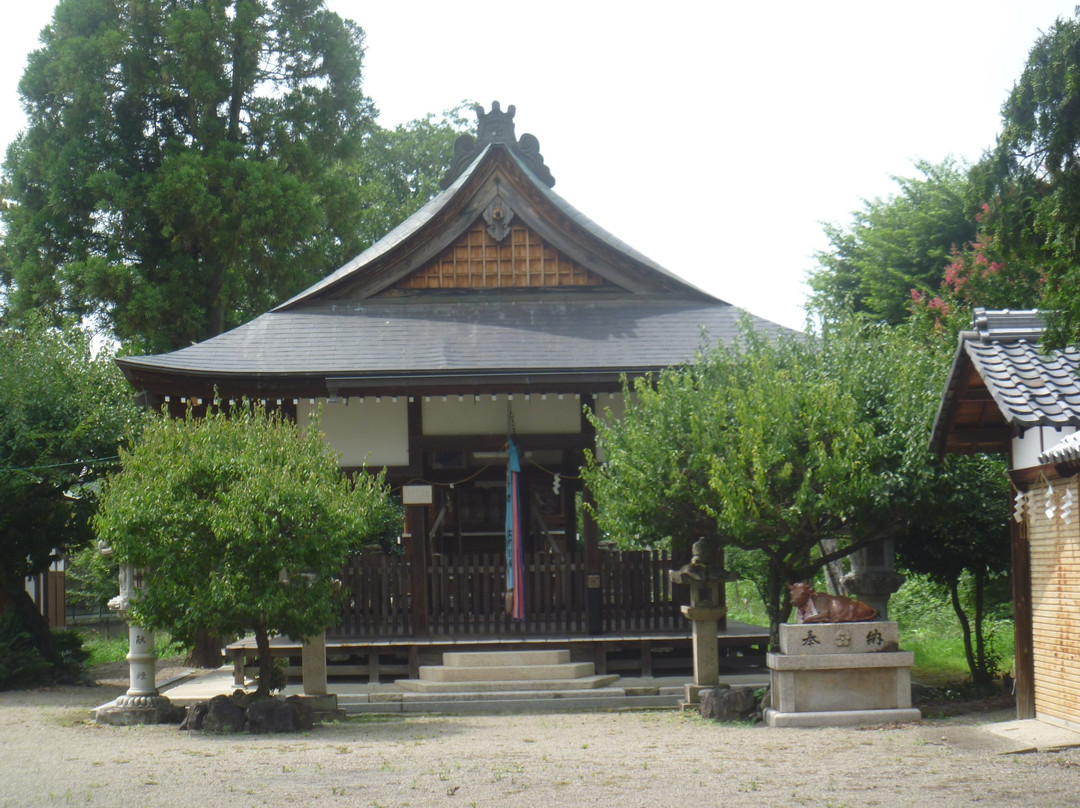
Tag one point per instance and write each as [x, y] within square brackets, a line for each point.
[419, 561]
[414, 662]
[373, 666]
[646, 658]
[1022, 624]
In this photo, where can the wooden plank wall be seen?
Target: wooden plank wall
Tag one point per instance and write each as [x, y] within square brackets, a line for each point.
[521, 260]
[1055, 602]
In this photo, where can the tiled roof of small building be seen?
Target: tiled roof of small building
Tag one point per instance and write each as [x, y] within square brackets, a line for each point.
[1030, 387]
[1025, 386]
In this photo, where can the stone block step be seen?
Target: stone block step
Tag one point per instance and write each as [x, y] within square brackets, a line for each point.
[503, 685]
[529, 702]
[506, 673]
[501, 659]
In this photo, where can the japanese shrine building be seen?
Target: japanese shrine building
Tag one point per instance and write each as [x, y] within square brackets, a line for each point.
[496, 309]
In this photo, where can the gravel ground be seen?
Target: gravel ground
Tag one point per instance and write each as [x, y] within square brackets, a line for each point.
[51, 754]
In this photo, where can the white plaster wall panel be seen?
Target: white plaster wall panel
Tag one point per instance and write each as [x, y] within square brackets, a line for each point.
[1033, 442]
[480, 415]
[373, 432]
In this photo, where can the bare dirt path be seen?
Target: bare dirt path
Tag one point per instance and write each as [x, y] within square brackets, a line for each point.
[50, 754]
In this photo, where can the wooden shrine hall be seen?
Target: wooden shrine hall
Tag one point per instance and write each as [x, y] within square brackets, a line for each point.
[496, 311]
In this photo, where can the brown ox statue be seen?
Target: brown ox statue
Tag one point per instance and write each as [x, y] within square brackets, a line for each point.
[818, 607]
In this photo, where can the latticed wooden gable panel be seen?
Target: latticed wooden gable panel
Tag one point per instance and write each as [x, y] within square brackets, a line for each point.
[521, 260]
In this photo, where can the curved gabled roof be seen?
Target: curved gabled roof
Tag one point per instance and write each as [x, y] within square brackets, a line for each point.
[604, 310]
[496, 172]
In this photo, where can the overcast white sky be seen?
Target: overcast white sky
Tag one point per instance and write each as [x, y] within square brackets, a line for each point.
[714, 137]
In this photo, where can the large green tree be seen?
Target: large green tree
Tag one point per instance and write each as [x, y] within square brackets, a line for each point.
[63, 410]
[1039, 152]
[756, 446]
[240, 522]
[189, 163]
[770, 447]
[895, 245]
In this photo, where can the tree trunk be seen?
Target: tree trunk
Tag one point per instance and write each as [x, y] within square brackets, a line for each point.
[982, 674]
[266, 661]
[774, 605]
[965, 627]
[206, 653]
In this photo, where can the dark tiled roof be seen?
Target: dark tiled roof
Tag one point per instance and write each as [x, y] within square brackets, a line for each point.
[452, 335]
[1026, 386]
[1031, 388]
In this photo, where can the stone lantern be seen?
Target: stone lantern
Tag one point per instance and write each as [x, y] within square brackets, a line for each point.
[873, 575]
[704, 575]
[141, 704]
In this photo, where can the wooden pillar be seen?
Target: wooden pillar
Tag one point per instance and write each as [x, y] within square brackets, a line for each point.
[594, 603]
[1022, 625]
[419, 559]
[416, 501]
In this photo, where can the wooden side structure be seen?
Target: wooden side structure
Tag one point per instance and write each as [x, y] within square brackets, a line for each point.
[1005, 395]
[1055, 603]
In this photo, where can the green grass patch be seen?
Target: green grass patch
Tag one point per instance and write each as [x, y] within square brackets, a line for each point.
[744, 605]
[111, 645]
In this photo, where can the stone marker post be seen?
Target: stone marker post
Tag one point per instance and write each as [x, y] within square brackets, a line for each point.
[704, 575]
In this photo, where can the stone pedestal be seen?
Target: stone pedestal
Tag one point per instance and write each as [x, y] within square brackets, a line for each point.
[313, 665]
[839, 674]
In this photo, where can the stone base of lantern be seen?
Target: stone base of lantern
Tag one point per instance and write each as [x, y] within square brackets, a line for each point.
[839, 674]
[128, 711]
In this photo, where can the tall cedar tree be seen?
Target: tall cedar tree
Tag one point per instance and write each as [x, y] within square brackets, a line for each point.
[189, 163]
[1039, 153]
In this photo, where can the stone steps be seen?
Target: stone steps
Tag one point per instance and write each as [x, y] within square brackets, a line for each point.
[506, 671]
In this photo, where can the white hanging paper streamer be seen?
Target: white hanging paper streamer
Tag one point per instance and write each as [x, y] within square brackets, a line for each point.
[556, 482]
[1020, 507]
[1065, 511]
[1048, 501]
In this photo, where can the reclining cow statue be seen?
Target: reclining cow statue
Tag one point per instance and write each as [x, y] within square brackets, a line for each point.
[819, 607]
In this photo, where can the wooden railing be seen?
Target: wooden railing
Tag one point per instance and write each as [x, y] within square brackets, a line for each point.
[466, 595]
[637, 592]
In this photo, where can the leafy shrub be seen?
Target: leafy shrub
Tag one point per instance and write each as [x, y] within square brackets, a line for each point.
[73, 657]
[21, 664]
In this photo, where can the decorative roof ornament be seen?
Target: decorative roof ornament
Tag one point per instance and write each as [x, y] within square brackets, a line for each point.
[496, 127]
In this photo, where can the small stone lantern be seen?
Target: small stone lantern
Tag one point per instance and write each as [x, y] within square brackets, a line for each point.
[704, 575]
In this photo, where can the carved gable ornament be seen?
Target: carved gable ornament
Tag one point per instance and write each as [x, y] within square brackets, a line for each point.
[497, 127]
[498, 216]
